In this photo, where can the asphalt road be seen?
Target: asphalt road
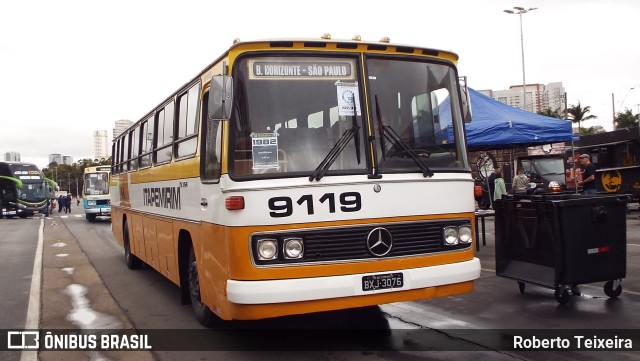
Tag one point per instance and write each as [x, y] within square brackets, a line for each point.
[18, 241]
[148, 301]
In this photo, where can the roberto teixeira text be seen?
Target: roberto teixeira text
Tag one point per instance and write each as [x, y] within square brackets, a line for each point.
[574, 343]
[46, 340]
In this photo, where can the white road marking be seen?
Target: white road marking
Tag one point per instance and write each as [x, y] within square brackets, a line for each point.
[633, 244]
[33, 312]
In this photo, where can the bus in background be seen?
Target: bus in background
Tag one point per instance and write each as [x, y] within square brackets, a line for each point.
[298, 176]
[23, 190]
[95, 192]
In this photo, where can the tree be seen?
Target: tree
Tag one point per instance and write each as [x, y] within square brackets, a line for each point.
[587, 131]
[626, 120]
[578, 114]
[552, 113]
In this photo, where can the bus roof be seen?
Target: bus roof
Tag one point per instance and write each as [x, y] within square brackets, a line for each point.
[318, 44]
[11, 167]
[338, 44]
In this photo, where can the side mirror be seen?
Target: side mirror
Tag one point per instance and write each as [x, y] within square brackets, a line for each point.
[220, 97]
[466, 104]
[466, 99]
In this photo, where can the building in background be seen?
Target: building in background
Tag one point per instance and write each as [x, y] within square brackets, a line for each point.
[55, 157]
[539, 96]
[12, 157]
[68, 160]
[101, 144]
[120, 126]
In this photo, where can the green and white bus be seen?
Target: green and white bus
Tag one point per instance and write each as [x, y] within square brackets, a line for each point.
[23, 190]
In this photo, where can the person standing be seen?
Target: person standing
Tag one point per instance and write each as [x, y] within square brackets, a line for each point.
[47, 208]
[500, 188]
[492, 182]
[520, 183]
[60, 203]
[68, 204]
[588, 181]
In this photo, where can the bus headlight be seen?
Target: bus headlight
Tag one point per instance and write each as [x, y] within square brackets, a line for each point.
[450, 236]
[293, 248]
[267, 249]
[91, 203]
[464, 234]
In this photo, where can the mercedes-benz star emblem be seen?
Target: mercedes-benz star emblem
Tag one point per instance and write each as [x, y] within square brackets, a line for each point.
[379, 241]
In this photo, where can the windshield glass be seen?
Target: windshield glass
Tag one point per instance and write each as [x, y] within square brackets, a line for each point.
[407, 97]
[290, 112]
[549, 166]
[33, 187]
[96, 184]
[32, 192]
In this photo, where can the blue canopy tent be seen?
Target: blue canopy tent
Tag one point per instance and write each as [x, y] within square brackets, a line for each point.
[495, 125]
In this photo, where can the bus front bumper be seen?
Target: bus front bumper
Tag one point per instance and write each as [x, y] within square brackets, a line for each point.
[98, 211]
[319, 288]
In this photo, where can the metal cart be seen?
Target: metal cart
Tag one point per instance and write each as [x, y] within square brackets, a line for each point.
[561, 241]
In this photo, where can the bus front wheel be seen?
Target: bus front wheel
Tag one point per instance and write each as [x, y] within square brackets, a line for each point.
[203, 313]
[91, 217]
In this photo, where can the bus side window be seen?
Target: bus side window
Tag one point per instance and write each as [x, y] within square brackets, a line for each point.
[211, 145]
[187, 129]
[134, 145]
[125, 153]
[114, 158]
[164, 134]
[146, 142]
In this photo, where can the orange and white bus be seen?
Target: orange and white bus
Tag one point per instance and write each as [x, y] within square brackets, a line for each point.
[297, 176]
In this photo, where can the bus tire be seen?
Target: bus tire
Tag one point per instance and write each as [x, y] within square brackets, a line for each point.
[203, 314]
[91, 217]
[132, 261]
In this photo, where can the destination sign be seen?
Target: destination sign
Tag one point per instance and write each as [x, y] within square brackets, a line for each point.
[27, 174]
[288, 69]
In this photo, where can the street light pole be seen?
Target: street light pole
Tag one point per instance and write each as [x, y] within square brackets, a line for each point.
[519, 11]
[613, 104]
[625, 97]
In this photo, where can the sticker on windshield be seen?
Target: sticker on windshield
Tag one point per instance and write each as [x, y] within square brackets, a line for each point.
[264, 148]
[348, 98]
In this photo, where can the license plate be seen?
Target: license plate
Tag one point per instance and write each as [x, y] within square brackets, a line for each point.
[382, 282]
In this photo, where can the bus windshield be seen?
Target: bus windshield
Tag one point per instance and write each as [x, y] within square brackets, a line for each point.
[408, 97]
[292, 113]
[33, 191]
[33, 188]
[96, 184]
[287, 116]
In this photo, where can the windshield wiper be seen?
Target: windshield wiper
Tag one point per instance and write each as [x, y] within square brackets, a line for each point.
[390, 134]
[331, 157]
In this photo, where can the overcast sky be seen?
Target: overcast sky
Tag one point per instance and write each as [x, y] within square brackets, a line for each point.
[68, 68]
